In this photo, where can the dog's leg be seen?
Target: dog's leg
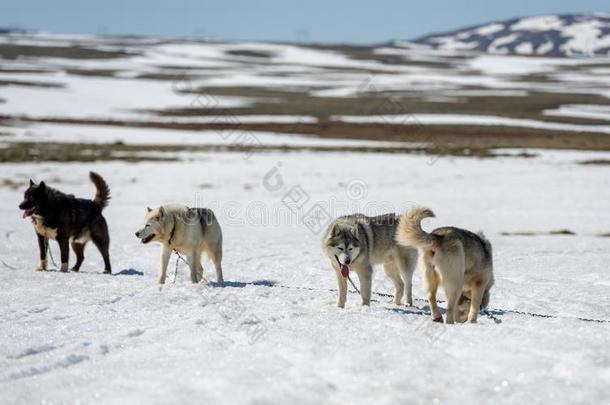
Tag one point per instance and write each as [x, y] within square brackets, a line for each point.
[406, 266]
[365, 276]
[476, 296]
[430, 284]
[99, 236]
[79, 251]
[391, 271]
[166, 253]
[453, 284]
[102, 246]
[42, 247]
[342, 282]
[194, 261]
[64, 251]
[215, 254]
[453, 293]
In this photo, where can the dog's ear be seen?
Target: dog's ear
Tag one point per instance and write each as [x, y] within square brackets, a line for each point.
[161, 212]
[42, 186]
[31, 182]
[335, 230]
[148, 209]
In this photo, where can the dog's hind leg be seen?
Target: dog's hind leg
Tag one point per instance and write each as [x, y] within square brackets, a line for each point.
[476, 296]
[365, 275]
[194, 261]
[430, 284]
[79, 251]
[99, 236]
[42, 247]
[406, 266]
[215, 254]
[64, 252]
[391, 270]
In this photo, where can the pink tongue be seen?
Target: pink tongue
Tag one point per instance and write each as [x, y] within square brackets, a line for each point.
[25, 215]
[344, 270]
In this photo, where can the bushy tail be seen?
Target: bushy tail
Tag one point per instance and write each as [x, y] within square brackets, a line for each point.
[410, 232]
[102, 194]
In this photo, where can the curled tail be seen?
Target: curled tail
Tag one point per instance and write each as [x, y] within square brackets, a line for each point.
[102, 194]
[410, 232]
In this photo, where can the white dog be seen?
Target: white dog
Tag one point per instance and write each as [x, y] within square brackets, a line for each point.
[189, 231]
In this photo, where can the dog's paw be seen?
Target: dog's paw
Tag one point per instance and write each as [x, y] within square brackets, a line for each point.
[64, 268]
[107, 271]
[438, 319]
[75, 269]
[40, 269]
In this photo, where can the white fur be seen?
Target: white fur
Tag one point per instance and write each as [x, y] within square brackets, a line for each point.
[189, 238]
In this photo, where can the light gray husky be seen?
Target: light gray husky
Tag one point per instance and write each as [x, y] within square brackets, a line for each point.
[190, 231]
[357, 242]
[456, 258]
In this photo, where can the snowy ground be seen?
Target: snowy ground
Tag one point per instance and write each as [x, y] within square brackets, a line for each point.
[262, 338]
[272, 333]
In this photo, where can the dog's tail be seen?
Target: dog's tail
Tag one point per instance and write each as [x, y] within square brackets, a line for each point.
[410, 232]
[102, 194]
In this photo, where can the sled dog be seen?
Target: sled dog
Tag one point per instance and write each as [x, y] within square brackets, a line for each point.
[68, 220]
[358, 242]
[459, 260]
[189, 231]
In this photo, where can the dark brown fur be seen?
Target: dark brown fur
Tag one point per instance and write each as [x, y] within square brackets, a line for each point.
[69, 220]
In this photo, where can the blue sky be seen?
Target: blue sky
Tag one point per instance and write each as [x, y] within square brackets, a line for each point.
[278, 20]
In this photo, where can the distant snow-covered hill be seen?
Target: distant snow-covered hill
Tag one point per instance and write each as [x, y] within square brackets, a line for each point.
[551, 35]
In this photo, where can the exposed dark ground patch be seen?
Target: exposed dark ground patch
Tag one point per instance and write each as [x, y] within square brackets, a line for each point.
[437, 138]
[300, 102]
[28, 152]
[14, 51]
[596, 162]
[532, 233]
[25, 83]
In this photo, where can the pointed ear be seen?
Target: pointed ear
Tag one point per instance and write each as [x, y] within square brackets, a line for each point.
[31, 182]
[148, 209]
[42, 186]
[161, 211]
[335, 230]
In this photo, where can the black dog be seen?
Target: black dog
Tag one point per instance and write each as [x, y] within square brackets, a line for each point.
[68, 219]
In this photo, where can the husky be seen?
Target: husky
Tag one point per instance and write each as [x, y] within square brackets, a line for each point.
[458, 259]
[190, 231]
[358, 242]
[69, 220]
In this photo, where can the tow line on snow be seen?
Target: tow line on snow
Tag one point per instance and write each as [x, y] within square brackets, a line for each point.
[489, 313]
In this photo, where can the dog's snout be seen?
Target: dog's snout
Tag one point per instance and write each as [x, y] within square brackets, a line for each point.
[348, 260]
[137, 234]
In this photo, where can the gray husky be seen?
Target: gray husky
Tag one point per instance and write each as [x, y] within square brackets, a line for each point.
[456, 258]
[358, 242]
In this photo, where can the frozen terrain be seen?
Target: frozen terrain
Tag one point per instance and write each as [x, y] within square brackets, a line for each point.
[272, 333]
[319, 117]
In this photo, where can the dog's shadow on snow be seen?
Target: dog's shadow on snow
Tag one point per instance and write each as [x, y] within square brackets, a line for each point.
[242, 284]
[129, 272]
[425, 311]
